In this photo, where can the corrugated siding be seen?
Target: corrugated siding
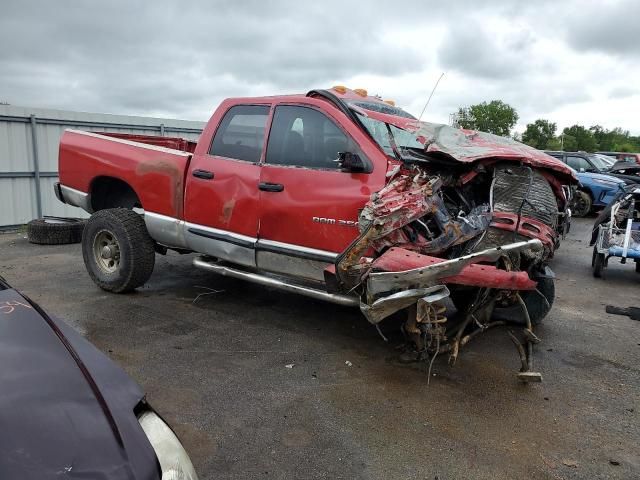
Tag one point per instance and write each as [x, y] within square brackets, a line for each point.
[18, 195]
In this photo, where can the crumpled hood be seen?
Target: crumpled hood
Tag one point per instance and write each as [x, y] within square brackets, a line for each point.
[470, 146]
[58, 421]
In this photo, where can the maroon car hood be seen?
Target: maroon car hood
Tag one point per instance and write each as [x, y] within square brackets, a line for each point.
[470, 146]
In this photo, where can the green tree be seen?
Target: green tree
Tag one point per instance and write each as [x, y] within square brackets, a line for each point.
[584, 139]
[569, 143]
[611, 140]
[554, 144]
[625, 147]
[539, 134]
[494, 117]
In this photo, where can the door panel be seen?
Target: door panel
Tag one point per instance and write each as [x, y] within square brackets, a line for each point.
[221, 199]
[316, 209]
[314, 216]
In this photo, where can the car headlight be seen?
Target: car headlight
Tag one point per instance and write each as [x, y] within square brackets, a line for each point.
[174, 460]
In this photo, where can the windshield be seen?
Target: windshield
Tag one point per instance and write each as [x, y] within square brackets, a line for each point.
[607, 159]
[386, 135]
[599, 162]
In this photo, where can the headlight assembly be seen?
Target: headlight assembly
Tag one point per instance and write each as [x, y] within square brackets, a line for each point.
[174, 461]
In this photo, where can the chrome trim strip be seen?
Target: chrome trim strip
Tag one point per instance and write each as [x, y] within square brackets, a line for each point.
[166, 230]
[296, 251]
[223, 235]
[266, 281]
[129, 142]
[76, 198]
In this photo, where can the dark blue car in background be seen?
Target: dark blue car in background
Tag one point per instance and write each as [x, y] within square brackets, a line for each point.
[595, 191]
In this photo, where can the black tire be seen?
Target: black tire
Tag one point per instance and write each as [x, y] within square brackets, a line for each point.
[117, 250]
[537, 307]
[598, 264]
[55, 230]
[637, 267]
[581, 204]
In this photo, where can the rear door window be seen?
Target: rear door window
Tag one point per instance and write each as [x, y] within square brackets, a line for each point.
[241, 133]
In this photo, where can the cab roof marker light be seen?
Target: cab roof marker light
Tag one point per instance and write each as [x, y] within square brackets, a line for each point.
[361, 91]
[341, 89]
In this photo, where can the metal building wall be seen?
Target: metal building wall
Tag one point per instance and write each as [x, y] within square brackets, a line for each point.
[29, 140]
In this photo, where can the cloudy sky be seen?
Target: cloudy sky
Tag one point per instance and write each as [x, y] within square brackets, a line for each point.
[567, 61]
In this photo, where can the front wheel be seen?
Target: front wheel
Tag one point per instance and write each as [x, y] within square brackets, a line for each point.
[582, 204]
[117, 250]
[538, 303]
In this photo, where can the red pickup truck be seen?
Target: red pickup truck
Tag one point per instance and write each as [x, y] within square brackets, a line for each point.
[336, 195]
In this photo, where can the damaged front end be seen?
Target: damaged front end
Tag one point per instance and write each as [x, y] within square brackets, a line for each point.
[459, 238]
[451, 251]
[448, 265]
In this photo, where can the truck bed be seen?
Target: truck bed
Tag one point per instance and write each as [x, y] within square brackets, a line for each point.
[174, 143]
[149, 165]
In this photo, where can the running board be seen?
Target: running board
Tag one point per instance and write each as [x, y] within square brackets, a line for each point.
[281, 284]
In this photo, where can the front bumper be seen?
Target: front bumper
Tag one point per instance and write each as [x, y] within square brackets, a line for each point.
[417, 275]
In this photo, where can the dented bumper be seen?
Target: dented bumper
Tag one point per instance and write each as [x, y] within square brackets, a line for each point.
[402, 269]
[400, 277]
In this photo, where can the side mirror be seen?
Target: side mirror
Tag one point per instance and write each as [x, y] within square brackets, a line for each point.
[351, 162]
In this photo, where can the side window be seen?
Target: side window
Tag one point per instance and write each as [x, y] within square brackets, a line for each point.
[577, 163]
[241, 133]
[305, 137]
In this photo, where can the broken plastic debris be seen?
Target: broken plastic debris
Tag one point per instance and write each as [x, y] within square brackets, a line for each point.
[348, 363]
[289, 365]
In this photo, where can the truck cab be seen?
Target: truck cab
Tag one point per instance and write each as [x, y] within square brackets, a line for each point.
[247, 198]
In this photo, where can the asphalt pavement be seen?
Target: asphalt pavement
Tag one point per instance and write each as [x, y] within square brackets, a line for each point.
[263, 384]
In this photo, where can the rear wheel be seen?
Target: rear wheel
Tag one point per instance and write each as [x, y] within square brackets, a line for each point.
[117, 250]
[582, 204]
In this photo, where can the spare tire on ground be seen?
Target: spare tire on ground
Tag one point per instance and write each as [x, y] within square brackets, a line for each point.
[55, 230]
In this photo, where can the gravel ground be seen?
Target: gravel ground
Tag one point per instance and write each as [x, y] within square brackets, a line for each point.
[216, 368]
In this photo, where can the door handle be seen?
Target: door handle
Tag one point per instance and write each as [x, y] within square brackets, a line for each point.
[204, 174]
[270, 187]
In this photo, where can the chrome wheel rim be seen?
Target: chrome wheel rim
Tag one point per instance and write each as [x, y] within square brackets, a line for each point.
[106, 251]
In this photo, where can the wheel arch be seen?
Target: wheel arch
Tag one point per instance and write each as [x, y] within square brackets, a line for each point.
[113, 192]
[587, 190]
